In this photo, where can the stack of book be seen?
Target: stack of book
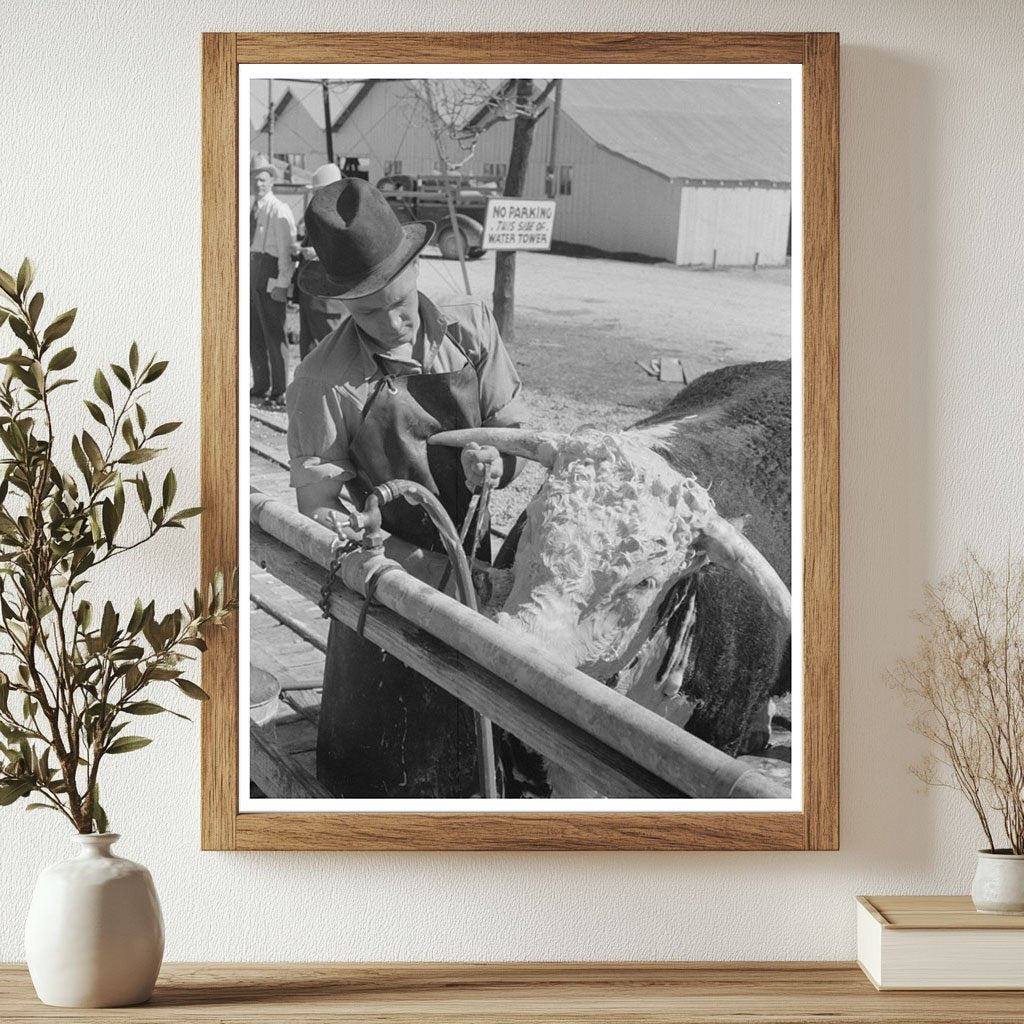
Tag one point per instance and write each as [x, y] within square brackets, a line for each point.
[938, 942]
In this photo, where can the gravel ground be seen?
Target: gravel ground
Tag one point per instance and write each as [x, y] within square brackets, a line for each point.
[582, 324]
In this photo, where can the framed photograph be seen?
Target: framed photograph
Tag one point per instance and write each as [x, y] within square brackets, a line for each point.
[520, 419]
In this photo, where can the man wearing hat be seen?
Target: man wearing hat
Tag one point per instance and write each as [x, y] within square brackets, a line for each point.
[271, 239]
[360, 408]
[318, 314]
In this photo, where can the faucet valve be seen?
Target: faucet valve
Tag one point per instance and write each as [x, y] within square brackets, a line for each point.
[370, 524]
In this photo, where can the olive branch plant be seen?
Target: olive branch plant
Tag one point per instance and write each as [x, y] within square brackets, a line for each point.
[78, 674]
[966, 681]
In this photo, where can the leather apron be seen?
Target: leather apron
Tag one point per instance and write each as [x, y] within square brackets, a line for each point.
[385, 730]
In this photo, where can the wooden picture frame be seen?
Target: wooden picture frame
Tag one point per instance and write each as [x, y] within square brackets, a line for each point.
[816, 825]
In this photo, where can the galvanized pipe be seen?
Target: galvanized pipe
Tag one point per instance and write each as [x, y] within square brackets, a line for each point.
[605, 770]
[683, 760]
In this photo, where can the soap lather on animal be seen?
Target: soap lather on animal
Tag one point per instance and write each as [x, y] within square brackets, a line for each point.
[658, 559]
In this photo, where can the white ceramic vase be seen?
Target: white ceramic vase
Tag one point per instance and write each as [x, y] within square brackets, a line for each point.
[999, 883]
[95, 933]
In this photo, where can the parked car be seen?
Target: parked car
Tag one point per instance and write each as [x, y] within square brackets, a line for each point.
[424, 199]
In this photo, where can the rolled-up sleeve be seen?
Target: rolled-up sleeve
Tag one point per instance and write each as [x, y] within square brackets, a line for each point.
[317, 437]
[501, 403]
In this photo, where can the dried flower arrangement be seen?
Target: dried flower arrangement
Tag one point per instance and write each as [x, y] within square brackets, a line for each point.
[967, 680]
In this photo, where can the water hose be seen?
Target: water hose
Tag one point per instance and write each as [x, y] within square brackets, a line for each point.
[369, 522]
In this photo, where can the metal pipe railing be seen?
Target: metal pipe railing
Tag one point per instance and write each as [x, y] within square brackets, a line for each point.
[595, 764]
[670, 753]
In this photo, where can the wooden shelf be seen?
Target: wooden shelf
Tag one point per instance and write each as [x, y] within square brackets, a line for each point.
[780, 993]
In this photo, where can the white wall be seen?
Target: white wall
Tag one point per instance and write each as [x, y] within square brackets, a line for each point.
[615, 204]
[105, 195]
[731, 226]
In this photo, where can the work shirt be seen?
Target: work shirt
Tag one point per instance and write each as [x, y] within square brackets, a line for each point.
[334, 382]
[275, 236]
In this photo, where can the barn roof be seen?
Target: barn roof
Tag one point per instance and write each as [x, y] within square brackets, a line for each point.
[723, 129]
[305, 94]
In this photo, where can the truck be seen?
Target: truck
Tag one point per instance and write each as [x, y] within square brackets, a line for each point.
[425, 199]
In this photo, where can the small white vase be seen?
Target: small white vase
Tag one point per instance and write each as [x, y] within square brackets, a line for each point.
[999, 882]
[95, 933]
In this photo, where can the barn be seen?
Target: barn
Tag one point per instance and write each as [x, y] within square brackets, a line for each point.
[693, 171]
[290, 122]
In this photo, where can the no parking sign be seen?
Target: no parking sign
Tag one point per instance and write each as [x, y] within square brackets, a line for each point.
[518, 223]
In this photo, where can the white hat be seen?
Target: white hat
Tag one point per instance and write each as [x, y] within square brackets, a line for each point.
[259, 163]
[324, 175]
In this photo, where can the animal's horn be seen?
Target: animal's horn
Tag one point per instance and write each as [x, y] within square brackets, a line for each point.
[527, 444]
[726, 546]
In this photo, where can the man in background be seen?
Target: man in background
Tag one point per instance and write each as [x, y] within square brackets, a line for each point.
[318, 314]
[271, 242]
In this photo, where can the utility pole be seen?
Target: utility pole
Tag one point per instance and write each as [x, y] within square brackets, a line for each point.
[327, 121]
[552, 181]
[505, 262]
[270, 120]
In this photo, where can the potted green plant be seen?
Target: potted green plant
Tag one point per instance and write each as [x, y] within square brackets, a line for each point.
[967, 682]
[80, 671]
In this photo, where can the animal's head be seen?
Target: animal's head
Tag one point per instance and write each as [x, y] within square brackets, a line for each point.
[611, 530]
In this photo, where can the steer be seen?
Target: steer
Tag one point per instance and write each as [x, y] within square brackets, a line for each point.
[657, 559]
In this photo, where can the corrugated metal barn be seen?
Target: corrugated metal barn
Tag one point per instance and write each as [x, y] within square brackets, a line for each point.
[686, 170]
[693, 171]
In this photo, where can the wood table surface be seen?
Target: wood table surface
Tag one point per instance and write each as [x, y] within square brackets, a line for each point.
[782, 993]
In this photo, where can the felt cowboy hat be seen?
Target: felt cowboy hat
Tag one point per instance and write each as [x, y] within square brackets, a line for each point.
[360, 244]
[259, 163]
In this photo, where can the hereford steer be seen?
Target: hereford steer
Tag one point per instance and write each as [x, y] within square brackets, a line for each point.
[657, 559]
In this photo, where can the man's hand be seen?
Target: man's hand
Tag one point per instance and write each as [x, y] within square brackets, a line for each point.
[479, 463]
[279, 294]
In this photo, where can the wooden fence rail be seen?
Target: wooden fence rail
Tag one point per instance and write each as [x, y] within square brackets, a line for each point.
[619, 747]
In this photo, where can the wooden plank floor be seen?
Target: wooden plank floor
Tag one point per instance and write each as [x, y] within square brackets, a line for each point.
[267, 475]
[665, 993]
[296, 663]
[270, 479]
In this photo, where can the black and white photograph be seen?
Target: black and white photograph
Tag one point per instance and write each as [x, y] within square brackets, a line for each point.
[523, 438]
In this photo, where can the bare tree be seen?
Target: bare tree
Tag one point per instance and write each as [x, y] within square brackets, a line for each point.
[457, 112]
